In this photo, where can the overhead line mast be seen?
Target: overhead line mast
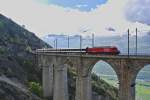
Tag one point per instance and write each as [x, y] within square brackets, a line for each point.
[136, 42]
[68, 41]
[128, 43]
[93, 40]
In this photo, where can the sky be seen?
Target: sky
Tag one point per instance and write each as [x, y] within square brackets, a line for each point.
[82, 5]
[101, 17]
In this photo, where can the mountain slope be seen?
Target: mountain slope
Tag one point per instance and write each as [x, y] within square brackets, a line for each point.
[15, 45]
[16, 61]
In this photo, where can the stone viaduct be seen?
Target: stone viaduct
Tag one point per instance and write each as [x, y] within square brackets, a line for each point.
[55, 66]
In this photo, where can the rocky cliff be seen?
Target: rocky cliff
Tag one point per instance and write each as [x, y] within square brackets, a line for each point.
[16, 62]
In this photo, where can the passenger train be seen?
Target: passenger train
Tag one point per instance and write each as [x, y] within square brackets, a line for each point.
[107, 50]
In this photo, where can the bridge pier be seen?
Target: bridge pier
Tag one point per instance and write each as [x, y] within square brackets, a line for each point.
[47, 79]
[126, 83]
[60, 83]
[83, 88]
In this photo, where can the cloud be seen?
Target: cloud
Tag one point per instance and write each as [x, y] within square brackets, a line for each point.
[43, 19]
[110, 29]
[138, 11]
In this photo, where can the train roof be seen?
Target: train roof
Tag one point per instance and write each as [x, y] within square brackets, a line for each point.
[104, 47]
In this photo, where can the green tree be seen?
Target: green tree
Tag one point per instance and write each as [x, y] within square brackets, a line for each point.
[35, 88]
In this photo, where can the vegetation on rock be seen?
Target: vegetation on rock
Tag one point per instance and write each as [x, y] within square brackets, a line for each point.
[35, 88]
[16, 60]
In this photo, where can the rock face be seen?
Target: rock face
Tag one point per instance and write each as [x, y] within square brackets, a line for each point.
[16, 61]
[10, 90]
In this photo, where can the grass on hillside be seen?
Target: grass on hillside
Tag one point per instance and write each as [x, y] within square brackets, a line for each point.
[111, 81]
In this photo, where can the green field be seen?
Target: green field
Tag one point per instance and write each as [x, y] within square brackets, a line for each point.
[142, 88]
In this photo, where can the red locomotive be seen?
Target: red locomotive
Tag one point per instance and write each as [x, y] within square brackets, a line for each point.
[112, 50]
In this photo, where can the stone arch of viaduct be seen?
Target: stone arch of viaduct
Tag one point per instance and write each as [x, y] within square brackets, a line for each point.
[55, 75]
